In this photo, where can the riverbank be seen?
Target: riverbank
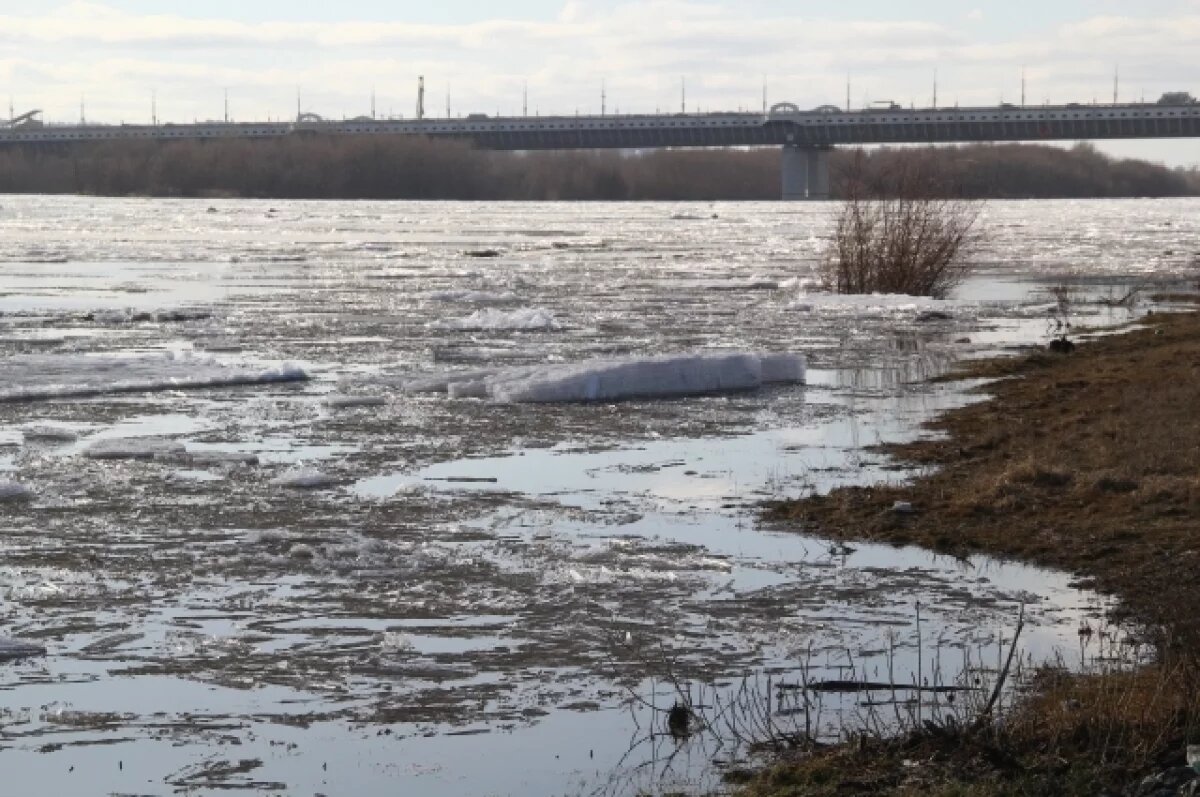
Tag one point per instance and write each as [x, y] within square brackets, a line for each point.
[411, 168]
[1088, 462]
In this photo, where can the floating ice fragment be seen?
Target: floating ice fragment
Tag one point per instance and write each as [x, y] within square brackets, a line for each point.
[136, 448]
[617, 379]
[11, 491]
[394, 641]
[782, 368]
[114, 317]
[19, 649]
[216, 457]
[754, 283]
[526, 319]
[345, 402]
[50, 433]
[475, 297]
[304, 479]
[799, 283]
[885, 303]
[302, 551]
[442, 382]
[33, 377]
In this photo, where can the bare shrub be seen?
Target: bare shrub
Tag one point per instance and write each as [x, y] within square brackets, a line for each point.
[900, 233]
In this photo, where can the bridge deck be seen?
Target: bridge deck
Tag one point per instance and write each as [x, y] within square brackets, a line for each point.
[809, 128]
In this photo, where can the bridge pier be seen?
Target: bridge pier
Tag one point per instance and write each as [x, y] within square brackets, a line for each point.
[805, 172]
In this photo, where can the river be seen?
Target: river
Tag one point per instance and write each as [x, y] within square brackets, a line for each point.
[258, 559]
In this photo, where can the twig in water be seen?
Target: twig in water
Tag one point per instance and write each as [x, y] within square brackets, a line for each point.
[1003, 676]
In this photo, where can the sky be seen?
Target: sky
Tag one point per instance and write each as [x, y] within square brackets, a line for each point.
[122, 60]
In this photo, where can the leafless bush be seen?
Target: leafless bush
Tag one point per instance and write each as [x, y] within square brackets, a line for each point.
[901, 235]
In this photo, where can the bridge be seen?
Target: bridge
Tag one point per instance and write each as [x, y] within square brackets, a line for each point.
[805, 137]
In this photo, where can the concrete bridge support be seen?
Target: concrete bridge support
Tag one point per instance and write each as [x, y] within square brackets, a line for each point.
[805, 172]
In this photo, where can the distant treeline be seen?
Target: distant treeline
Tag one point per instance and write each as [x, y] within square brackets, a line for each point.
[415, 168]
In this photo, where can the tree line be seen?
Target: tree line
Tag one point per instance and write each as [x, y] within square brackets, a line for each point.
[324, 167]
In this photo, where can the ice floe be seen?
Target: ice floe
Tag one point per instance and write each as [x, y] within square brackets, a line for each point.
[475, 297]
[616, 379]
[19, 649]
[130, 316]
[525, 319]
[52, 434]
[348, 401]
[40, 377]
[304, 479]
[216, 457]
[874, 302]
[753, 283]
[136, 448]
[11, 491]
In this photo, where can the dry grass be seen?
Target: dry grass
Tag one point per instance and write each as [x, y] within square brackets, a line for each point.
[1072, 735]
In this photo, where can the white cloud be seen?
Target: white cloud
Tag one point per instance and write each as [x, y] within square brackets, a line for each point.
[641, 49]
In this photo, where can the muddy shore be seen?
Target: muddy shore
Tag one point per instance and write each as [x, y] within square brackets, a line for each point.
[1088, 462]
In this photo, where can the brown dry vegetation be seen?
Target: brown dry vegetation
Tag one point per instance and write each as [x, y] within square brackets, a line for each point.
[906, 236]
[1088, 462]
[412, 168]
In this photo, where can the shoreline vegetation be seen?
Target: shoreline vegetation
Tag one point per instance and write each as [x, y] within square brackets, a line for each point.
[1087, 462]
[323, 167]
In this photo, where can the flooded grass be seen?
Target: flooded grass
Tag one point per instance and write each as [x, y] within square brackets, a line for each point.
[1085, 462]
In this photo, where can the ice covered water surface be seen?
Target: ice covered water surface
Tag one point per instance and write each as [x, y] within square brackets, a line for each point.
[321, 568]
[42, 377]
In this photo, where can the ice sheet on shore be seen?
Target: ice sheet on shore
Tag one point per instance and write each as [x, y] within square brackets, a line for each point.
[617, 379]
[41, 377]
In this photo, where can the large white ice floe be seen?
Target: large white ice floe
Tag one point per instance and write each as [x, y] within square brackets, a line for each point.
[617, 379]
[11, 491]
[525, 319]
[40, 377]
